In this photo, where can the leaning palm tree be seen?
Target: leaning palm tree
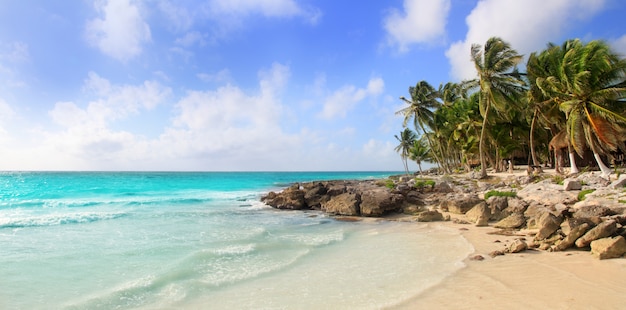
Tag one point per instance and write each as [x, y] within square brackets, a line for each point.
[419, 153]
[421, 108]
[407, 140]
[499, 86]
[590, 88]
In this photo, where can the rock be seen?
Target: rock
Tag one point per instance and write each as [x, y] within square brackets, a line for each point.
[315, 194]
[477, 257]
[620, 183]
[379, 202]
[517, 246]
[603, 230]
[478, 211]
[344, 204]
[430, 216]
[459, 204]
[571, 237]
[569, 224]
[572, 185]
[443, 187]
[547, 193]
[496, 253]
[548, 223]
[592, 211]
[515, 220]
[606, 248]
[291, 198]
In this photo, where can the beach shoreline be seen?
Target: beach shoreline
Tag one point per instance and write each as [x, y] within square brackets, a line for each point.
[533, 279]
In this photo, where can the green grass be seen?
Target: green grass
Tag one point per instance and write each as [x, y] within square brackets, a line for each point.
[499, 194]
[583, 193]
[421, 183]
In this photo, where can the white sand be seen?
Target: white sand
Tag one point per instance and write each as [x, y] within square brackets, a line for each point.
[527, 280]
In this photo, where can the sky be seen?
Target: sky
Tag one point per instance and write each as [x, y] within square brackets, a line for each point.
[247, 85]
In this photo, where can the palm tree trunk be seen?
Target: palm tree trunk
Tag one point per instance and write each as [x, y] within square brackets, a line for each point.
[481, 144]
[606, 171]
[532, 138]
[430, 145]
[572, 160]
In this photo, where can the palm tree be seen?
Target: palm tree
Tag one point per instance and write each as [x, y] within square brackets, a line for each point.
[421, 109]
[590, 87]
[499, 88]
[419, 152]
[407, 140]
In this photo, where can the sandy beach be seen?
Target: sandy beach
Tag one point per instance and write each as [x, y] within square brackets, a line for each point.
[529, 280]
[532, 279]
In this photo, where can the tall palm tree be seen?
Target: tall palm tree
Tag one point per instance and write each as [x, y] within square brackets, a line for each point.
[419, 153]
[420, 109]
[499, 86]
[590, 88]
[407, 140]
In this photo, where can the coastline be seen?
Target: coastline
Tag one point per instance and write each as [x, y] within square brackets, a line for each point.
[534, 279]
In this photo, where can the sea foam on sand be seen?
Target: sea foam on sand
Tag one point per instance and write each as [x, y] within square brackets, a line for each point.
[377, 266]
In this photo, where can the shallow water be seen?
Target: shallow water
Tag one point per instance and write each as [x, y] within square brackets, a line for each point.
[201, 240]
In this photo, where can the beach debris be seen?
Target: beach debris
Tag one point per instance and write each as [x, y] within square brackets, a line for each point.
[608, 247]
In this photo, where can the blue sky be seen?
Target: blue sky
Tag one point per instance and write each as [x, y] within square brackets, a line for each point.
[246, 84]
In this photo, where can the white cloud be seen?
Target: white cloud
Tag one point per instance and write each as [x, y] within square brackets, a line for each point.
[619, 45]
[191, 39]
[120, 32]
[346, 98]
[528, 26]
[220, 76]
[422, 21]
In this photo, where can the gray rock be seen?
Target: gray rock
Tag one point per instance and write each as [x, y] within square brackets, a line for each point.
[459, 204]
[547, 193]
[571, 237]
[344, 204]
[592, 211]
[379, 202]
[515, 220]
[603, 230]
[443, 187]
[291, 198]
[572, 185]
[606, 248]
[620, 183]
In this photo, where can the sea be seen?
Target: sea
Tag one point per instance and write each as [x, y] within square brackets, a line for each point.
[203, 240]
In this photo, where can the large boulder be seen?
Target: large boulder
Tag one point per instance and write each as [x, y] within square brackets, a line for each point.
[315, 194]
[291, 198]
[590, 211]
[517, 246]
[343, 204]
[479, 214]
[572, 185]
[459, 204]
[377, 202]
[603, 230]
[515, 220]
[608, 247]
[548, 223]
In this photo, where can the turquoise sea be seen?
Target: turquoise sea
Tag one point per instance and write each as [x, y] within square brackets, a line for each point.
[202, 240]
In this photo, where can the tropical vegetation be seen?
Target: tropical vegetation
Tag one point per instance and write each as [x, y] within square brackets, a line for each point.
[571, 98]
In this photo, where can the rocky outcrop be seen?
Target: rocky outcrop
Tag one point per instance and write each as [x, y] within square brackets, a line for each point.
[550, 213]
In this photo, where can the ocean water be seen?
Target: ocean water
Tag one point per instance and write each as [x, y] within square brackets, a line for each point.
[202, 240]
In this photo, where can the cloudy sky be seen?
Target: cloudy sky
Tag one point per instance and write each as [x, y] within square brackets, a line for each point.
[246, 84]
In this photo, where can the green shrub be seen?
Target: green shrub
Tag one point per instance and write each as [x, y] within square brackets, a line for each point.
[499, 194]
[583, 193]
[390, 184]
[421, 183]
[557, 179]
